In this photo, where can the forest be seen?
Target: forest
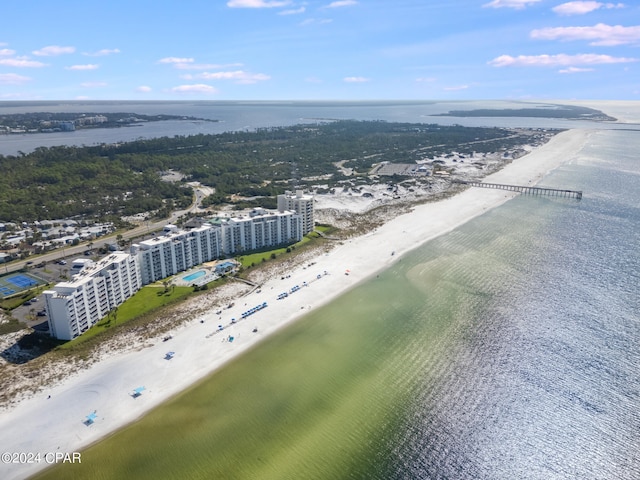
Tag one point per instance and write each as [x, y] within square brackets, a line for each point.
[110, 181]
[570, 112]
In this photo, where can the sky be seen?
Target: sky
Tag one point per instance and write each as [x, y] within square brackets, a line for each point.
[319, 50]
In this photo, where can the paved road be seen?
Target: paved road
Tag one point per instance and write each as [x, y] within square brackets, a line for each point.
[139, 231]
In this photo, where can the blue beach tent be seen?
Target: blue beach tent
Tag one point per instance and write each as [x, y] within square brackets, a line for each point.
[91, 418]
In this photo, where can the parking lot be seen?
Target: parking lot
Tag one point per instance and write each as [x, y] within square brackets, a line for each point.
[53, 272]
[33, 313]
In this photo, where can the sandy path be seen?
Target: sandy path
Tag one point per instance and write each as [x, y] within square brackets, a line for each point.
[41, 424]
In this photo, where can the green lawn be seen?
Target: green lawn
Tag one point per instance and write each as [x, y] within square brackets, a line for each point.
[254, 259]
[149, 298]
[146, 300]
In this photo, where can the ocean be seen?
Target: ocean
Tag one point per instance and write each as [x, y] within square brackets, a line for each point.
[508, 348]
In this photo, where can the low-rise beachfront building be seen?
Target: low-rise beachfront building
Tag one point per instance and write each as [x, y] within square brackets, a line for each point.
[75, 306]
[175, 251]
[300, 203]
[260, 229]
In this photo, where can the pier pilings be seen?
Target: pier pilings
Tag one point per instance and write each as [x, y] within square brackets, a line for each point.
[555, 192]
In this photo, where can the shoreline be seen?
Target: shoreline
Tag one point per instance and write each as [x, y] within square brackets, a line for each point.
[40, 424]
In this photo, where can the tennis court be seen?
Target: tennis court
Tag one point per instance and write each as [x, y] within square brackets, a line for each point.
[16, 283]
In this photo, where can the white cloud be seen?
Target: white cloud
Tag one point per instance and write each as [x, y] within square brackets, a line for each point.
[143, 89]
[103, 53]
[240, 76]
[600, 34]
[93, 84]
[53, 51]
[456, 88]
[21, 62]
[257, 3]
[560, 60]
[176, 60]
[183, 63]
[13, 79]
[356, 79]
[6, 51]
[575, 70]
[342, 3]
[580, 8]
[203, 66]
[197, 88]
[83, 67]
[292, 11]
[517, 4]
[315, 21]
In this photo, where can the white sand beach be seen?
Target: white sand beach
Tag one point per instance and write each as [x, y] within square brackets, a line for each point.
[41, 424]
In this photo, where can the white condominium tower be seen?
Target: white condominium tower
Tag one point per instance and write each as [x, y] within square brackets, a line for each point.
[75, 306]
[176, 251]
[300, 203]
[261, 229]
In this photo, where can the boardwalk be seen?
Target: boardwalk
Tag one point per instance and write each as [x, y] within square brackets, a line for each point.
[555, 192]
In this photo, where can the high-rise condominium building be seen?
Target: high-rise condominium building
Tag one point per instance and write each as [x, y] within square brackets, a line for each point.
[260, 229]
[176, 251]
[98, 288]
[300, 203]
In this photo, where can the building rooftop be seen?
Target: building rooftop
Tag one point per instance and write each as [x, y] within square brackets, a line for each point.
[91, 270]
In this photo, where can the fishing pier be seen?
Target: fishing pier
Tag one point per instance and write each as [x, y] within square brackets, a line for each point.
[554, 192]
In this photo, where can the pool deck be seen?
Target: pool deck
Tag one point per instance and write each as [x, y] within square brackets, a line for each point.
[210, 275]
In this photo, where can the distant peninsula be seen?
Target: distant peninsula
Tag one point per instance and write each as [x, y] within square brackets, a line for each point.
[43, 122]
[544, 111]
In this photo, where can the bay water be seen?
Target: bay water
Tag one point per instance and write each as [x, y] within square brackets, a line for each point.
[236, 116]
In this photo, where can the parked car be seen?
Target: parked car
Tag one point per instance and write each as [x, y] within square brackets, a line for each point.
[42, 313]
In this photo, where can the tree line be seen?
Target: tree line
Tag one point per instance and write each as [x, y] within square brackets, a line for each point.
[124, 179]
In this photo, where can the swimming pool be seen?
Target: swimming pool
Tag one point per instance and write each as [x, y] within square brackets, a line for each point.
[191, 277]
